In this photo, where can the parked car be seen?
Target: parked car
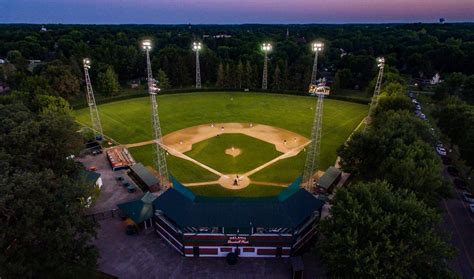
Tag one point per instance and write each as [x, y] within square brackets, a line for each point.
[468, 197]
[414, 101]
[418, 107]
[453, 171]
[459, 183]
[440, 144]
[471, 206]
[93, 168]
[446, 160]
[441, 151]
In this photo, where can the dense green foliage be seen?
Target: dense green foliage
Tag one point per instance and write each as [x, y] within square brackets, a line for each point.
[376, 231]
[419, 50]
[43, 233]
[456, 120]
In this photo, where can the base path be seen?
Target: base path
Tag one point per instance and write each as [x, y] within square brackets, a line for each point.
[179, 142]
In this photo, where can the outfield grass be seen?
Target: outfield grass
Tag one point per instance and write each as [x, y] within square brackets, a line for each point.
[248, 192]
[253, 153]
[129, 121]
[184, 171]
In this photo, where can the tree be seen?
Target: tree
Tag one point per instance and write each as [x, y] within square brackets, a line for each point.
[375, 230]
[108, 82]
[44, 234]
[344, 78]
[249, 80]
[220, 83]
[63, 82]
[163, 80]
[277, 80]
[240, 74]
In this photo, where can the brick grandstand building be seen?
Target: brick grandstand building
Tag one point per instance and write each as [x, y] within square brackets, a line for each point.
[278, 226]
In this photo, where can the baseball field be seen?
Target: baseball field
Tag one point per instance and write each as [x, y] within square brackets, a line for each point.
[211, 138]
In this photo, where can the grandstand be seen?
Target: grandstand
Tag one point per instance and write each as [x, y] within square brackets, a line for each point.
[278, 226]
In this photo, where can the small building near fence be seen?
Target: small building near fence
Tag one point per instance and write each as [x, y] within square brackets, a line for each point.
[143, 177]
[140, 210]
[329, 179]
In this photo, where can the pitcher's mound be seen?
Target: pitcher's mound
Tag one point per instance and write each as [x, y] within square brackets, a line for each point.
[234, 152]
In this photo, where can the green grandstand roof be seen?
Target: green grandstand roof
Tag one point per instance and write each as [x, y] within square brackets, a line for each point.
[289, 212]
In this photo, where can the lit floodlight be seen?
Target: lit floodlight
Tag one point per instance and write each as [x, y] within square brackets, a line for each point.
[380, 61]
[318, 46]
[146, 44]
[197, 46]
[86, 62]
[266, 47]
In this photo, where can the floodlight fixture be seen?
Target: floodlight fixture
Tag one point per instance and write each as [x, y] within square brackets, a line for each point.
[318, 46]
[266, 47]
[146, 44]
[197, 46]
[87, 63]
[380, 62]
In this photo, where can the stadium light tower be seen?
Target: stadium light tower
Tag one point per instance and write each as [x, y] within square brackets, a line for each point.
[375, 96]
[95, 119]
[196, 48]
[317, 47]
[160, 154]
[266, 47]
[312, 157]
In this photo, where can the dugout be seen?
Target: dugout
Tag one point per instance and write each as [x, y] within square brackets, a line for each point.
[143, 177]
[329, 179]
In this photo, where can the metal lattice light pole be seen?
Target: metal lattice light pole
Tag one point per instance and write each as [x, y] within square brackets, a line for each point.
[312, 157]
[159, 152]
[95, 119]
[317, 47]
[197, 48]
[266, 47]
[378, 86]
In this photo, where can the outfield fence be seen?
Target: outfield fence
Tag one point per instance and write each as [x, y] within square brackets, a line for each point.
[104, 100]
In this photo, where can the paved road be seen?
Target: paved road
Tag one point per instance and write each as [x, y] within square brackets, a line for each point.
[459, 222]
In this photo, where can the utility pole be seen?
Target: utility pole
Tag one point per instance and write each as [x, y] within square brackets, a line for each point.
[375, 96]
[95, 119]
[159, 152]
[266, 48]
[312, 157]
[197, 48]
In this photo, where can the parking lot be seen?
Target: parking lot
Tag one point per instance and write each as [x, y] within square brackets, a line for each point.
[111, 193]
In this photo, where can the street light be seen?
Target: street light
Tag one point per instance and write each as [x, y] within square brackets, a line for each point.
[317, 47]
[266, 47]
[196, 48]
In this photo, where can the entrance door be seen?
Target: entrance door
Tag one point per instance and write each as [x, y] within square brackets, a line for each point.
[196, 251]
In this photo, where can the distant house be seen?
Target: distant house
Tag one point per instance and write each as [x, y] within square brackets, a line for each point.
[43, 29]
[143, 177]
[222, 36]
[329, 179]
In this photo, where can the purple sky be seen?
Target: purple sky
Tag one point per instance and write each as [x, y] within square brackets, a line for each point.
[234, 11]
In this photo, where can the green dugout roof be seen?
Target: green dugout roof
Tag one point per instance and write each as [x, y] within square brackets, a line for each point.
[289, 210]
[329, 177]
[144, 174]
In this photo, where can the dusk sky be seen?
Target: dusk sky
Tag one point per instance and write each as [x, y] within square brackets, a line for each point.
[234, 11]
